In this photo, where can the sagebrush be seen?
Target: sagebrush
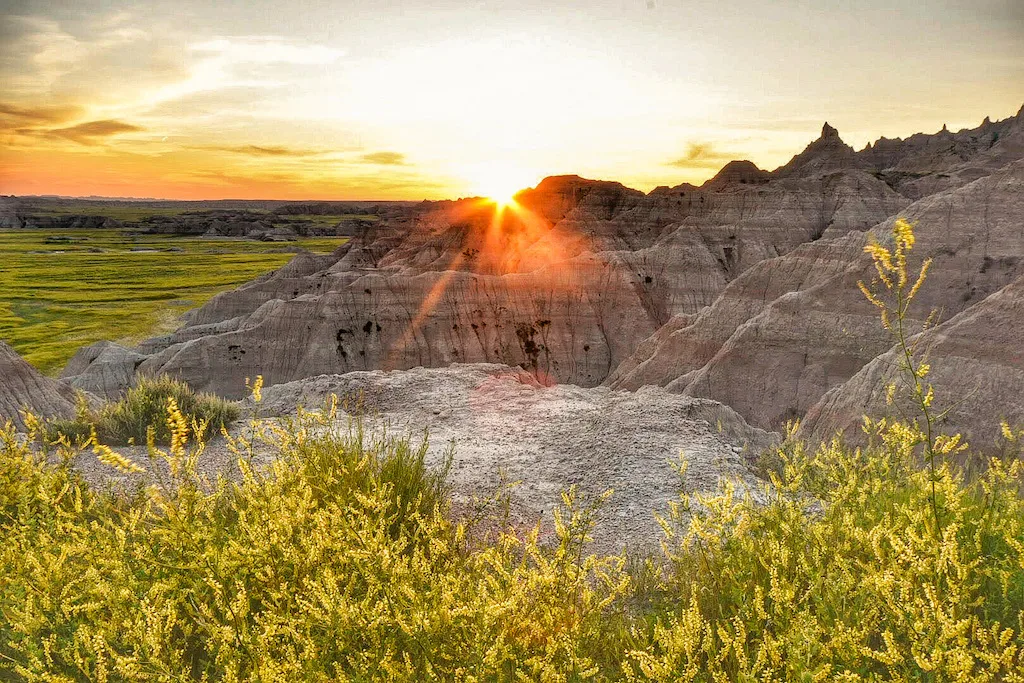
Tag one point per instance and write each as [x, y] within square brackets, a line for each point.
[143, 409]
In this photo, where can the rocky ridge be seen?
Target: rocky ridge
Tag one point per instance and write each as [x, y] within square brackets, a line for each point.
[743, 290]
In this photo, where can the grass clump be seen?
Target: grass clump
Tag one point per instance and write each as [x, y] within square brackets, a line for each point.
[342, 560]
[143, 409]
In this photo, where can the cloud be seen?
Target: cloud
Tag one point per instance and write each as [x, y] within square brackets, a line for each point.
[251, 63]
[383, 158]
[372, 158]
[268, 50]
[40, 114]
[88, 132]
[26, 119]
[266, 151]
[36, 53]
[702, 155]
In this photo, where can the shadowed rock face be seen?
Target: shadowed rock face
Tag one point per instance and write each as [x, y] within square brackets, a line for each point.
[104, 369]
[977, 360]
[825, 155]
[743, 290]
[11, 219]
[738, 173]
[23, 388]
[791, 328]
[926, 164]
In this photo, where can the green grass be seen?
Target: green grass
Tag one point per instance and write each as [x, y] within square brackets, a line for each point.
[330, 220]
[58, 296]
[124, 213]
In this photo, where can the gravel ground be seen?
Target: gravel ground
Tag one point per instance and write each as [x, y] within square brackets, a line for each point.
[504, 425]
[502, 420]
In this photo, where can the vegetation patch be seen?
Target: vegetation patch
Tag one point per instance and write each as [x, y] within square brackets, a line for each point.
[344, 560]
[142, 410]
[60, 290]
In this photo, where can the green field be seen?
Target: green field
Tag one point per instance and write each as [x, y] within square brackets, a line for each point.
[124, 213]
[128, 213]
[332, 219]
[60, 290]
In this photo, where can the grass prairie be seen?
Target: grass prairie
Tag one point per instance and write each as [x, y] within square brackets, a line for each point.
[127, 212]
[121, 212]
[60, 290]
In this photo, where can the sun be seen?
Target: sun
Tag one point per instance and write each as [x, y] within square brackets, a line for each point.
[502, 195]
[500, 184]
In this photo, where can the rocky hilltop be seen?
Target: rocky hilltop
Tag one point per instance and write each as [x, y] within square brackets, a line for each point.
[792, 328]
[742, 290]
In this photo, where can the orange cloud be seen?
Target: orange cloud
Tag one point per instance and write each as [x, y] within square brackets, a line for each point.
[703, 155]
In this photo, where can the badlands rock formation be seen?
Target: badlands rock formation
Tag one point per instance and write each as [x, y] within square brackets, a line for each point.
[104, 369]
[567, 284]
[791, 328]
[23, 388]
[977, 360]
[742, 290]
[502, 419]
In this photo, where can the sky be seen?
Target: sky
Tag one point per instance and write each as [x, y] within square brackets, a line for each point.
[393, 99]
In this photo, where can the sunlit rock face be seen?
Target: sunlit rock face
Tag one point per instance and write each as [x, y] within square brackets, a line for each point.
[566, 282]
[467, 283]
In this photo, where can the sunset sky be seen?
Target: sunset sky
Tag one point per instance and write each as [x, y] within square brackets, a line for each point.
[429, 99]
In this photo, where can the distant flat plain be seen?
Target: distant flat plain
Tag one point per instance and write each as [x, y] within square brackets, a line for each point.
[62, 289]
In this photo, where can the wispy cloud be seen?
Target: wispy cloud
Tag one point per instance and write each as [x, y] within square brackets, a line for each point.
[90, 132]
[266, 151]
[243, 62]
[38, 115]
[268, 50]
[383, 158]
[702, 155]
